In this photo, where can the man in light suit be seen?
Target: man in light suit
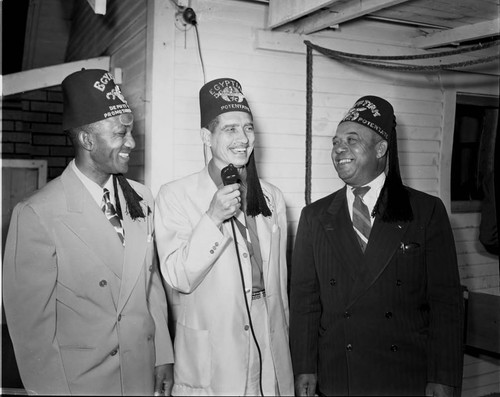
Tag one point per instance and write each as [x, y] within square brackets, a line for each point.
[376, 303]
[222, 252]
[83, 298]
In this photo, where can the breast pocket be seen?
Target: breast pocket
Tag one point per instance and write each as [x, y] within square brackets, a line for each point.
[411, 266]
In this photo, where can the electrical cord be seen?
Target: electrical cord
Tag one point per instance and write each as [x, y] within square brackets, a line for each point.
[248, 309]
[189, 17]
[229, 175]
[199, 51]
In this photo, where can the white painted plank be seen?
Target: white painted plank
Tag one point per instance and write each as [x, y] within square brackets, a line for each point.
[457, 35]
[284, 11]
[49, 76]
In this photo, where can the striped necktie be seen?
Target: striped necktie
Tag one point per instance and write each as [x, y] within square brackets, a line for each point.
[361, 216]
[109, 209]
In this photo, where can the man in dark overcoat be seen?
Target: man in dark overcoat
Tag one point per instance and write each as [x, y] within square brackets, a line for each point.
[376, 305]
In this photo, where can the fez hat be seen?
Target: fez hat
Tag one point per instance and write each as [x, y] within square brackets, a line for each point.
[220, 96]
[91, 95]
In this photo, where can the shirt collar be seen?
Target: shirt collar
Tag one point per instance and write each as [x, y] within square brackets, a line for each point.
[94, 189]
[371, 197]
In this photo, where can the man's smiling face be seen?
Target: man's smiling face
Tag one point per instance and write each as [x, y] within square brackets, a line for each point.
[357, 153]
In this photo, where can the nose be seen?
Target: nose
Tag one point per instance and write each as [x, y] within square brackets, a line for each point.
[242, 135]
[340, 147]
[129, 141]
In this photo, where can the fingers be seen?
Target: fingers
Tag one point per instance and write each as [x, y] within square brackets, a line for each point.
[226, 202]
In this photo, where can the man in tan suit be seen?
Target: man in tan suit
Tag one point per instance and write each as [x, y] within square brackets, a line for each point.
[84, 302]
[222, 248]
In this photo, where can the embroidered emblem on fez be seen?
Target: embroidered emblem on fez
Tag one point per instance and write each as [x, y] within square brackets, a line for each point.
[221, 96]
[229, 90]
[365, 112]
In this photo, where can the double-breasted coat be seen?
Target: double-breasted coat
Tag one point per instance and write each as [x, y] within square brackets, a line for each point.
[385, 322]
[199, 262]
[86, 315]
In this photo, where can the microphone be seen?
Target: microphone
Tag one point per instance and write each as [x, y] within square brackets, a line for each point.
[229, 175]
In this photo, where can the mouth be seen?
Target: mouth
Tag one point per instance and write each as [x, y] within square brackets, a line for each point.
[124, 156]
[344, 161]
[239, 150]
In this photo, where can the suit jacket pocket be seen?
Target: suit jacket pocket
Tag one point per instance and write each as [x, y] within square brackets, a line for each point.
[193, 357]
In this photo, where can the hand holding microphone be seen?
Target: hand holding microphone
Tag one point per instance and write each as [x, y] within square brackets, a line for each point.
[226, 202]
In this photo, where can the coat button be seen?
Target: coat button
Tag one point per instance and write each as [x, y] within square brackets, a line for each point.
[216, 244]
[211, 251]
[246, 327]
[103, 283]
[394, 348]
[347, 315]
[398, 282]
[113, 353]
[333, 282]
[388, 315]
[349, 347]
[119, 317]
[151, 268]
[245, 255]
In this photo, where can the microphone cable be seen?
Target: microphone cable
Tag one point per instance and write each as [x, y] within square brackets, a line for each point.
[229, 175]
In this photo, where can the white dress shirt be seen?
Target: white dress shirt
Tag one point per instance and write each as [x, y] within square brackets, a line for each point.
[370, 198]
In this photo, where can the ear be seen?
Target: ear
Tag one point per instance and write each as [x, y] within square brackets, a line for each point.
[382, 148]
[206, 136]
[86, 140]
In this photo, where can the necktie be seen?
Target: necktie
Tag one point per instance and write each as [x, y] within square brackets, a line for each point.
[361, 216]
[109, 209]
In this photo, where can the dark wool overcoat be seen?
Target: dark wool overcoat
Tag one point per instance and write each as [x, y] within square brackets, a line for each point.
[385, 322]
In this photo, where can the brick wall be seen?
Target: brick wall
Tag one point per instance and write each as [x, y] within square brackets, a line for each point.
[31, 129]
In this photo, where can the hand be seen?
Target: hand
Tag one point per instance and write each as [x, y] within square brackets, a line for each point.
[439, 390]
[305, 384]
[164, 379]
[225, 203]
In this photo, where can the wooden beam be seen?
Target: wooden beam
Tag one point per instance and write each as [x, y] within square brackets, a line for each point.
[284, 11]
[49, 76]
[341, 13]
[99, 6]
[457, 35]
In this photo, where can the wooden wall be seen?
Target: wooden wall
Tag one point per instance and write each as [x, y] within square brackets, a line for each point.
[271, 67]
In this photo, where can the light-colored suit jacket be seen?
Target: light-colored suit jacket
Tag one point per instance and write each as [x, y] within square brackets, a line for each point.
[199, 262]
[86, 315]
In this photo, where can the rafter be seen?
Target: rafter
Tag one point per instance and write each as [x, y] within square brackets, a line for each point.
[463, 33]
[341, 13]
[284, 11]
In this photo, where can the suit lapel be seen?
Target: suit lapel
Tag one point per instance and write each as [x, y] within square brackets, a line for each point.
[87, 221]
[338, 228]
[384, 240]
[269, 246]
[136, 244]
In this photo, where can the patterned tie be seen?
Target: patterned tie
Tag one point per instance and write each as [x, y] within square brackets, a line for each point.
[109, 209]
[361, 216]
